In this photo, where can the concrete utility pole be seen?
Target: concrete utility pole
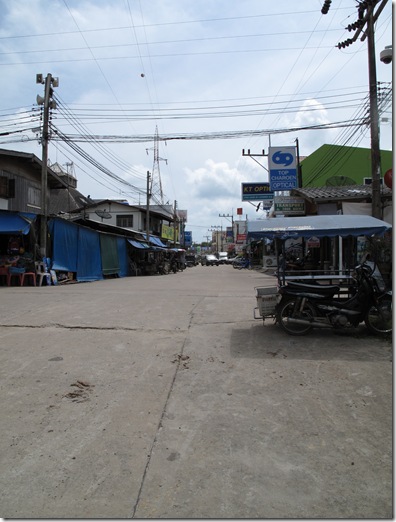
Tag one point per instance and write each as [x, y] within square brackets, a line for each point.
[232, 222]
[48, 104]
[148, 195]
[215, 229]
[374, 120]
[174, 223]
[366, 20]
[255, 155]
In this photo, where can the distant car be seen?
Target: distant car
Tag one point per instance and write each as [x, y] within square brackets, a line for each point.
[191, 260]
[223, 256]
[210, 260]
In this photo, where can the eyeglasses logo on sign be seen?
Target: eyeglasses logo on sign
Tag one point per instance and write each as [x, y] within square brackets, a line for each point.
[282, 158]
[282, 168]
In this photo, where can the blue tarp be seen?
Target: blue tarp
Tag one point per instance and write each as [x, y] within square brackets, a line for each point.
[89, 261]
[16, 222]
[138, 244]
[318, 226]
[75, 249]
[64, 237]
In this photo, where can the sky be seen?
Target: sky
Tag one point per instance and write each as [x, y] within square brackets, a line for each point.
[180, 88]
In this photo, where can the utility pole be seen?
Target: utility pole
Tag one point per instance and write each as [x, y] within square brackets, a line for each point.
[367, 17]
[174, 223]
[232, 222]
[374, 120]
[215, 229]
[148, 195]
[255, 155]
[48, 104]
[299, 169]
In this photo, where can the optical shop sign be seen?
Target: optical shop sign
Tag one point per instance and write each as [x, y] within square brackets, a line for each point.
[282, 168]
[255, 191]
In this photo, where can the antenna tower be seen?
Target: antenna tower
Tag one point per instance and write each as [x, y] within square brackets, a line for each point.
[156, 185]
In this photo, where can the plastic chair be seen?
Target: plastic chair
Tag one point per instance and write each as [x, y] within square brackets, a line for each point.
[15, 272]
[41, 272]
[32, 275]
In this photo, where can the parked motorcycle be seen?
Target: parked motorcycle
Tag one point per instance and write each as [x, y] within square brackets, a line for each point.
[242, 262]
[173, 265]
[306, 306]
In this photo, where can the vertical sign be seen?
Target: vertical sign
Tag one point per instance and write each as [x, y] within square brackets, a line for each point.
[282, 168]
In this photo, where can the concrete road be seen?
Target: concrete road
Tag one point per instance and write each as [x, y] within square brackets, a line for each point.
[162, 397]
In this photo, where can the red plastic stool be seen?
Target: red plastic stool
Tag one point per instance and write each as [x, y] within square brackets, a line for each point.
[32, 275]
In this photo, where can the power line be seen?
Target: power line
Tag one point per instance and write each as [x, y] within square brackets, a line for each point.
[205, 135]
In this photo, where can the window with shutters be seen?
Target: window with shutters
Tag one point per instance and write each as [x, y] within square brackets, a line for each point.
[34, 196]
[125, 221]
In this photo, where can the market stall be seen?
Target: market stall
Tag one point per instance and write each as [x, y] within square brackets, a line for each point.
[17, 246]
[328, 245]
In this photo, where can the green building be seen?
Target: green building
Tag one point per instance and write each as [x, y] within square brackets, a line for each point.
[337, 165]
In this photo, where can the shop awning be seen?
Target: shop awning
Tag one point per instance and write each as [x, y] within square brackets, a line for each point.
[156, 241]
[16, 222]
[138, 244]
[318, 226]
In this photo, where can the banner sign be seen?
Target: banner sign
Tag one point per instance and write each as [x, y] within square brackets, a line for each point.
[282, 168]
[289, 206]
[168, 232]
[187, 238]
[256, 191]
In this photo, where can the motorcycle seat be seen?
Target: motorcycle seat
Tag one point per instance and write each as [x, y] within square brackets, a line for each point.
[327, 290]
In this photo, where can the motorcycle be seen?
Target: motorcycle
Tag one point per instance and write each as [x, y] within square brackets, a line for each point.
[303, 307]
[241, 263]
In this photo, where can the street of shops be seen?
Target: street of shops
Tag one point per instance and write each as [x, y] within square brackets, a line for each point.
[78, 253]
[162, 397]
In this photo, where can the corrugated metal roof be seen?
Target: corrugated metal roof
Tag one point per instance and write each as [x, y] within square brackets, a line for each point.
[340, 193]
[319, 226]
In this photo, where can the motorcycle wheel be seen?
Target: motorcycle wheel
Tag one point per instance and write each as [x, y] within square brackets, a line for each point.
[379, 318]
[287, 310]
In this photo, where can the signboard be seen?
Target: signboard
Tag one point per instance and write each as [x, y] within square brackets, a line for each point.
[267, 205]
[289, 206]
[182, 214]
[168, 232]
[282, 168]
[254, 191]
[187, 238]
[313, 242]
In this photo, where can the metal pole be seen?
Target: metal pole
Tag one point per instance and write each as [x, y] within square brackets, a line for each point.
[374, 120]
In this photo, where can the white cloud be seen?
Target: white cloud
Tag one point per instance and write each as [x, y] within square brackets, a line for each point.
[247, 59]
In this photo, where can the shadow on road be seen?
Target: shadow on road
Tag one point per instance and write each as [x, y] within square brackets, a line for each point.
[268, 342]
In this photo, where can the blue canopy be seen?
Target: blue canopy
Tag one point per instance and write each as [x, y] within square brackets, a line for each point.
[156, 241]
[137, 244]
[16, 222]
[318, 226]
